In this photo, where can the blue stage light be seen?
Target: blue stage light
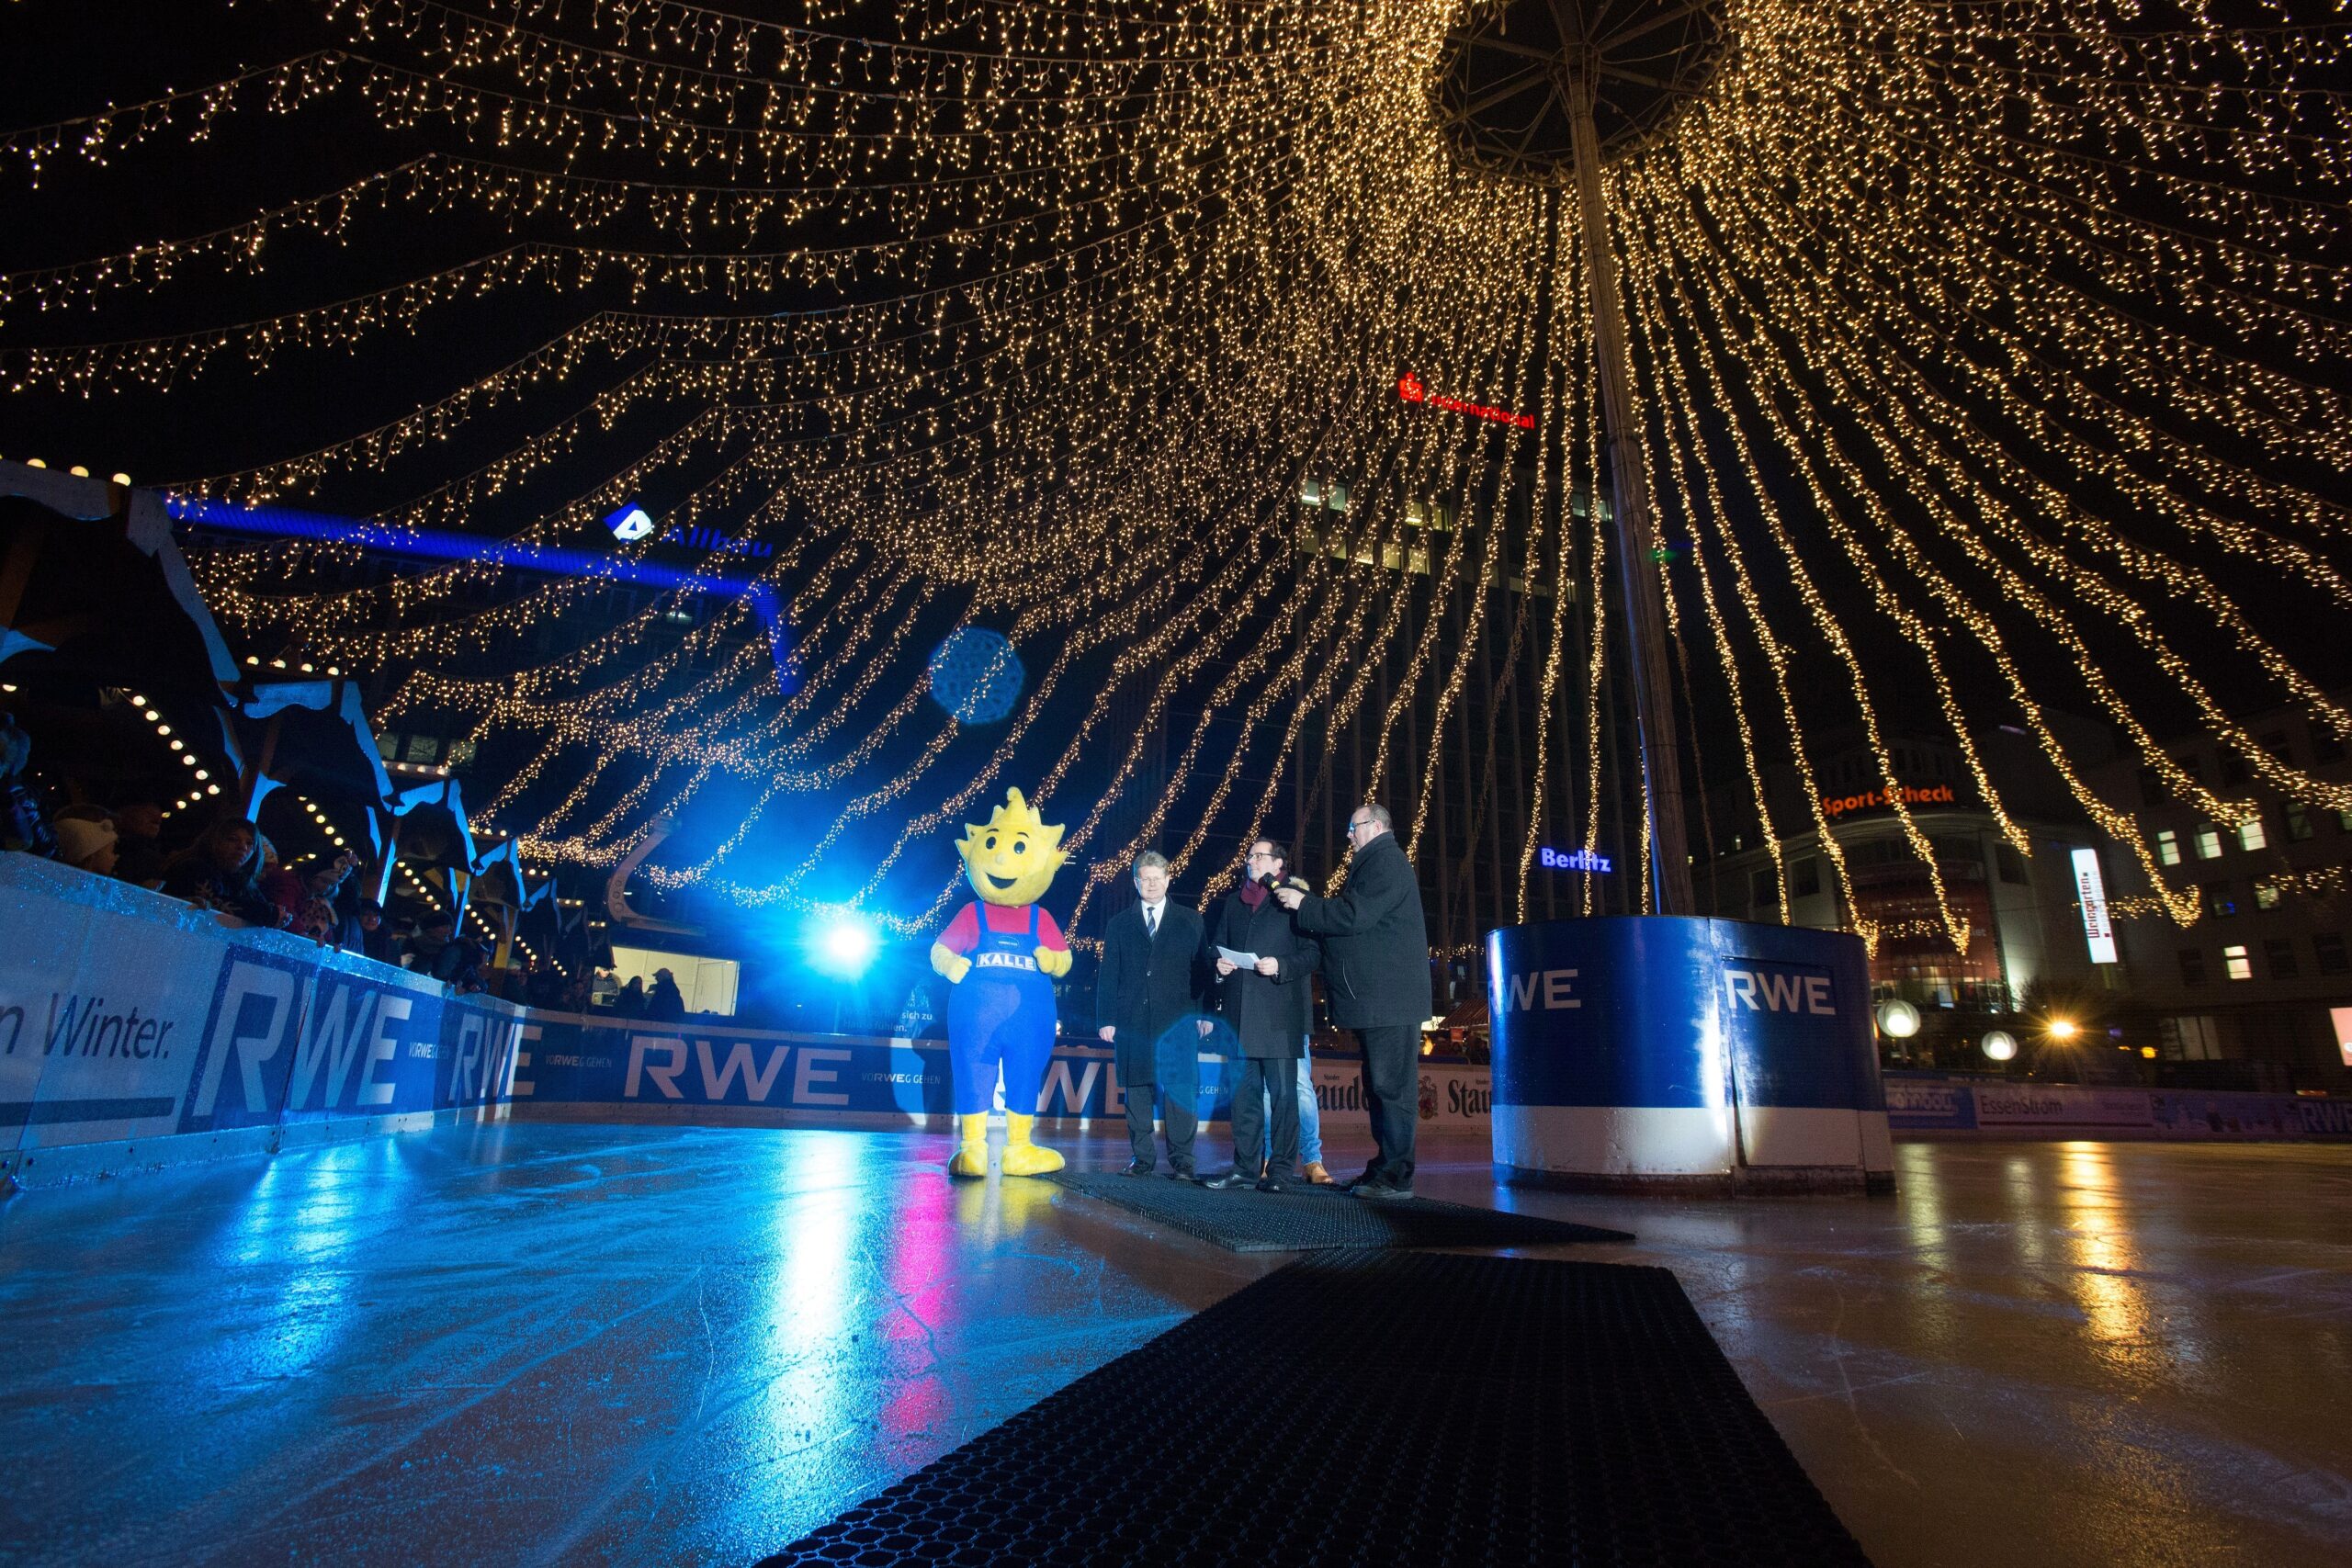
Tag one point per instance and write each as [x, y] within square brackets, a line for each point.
[976, 676]
[843, 943]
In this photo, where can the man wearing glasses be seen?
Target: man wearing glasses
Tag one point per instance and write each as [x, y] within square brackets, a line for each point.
[1376, 973]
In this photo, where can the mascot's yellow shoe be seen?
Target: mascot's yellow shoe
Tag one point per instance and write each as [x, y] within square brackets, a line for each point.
[1022, 1157]
[972, 1156]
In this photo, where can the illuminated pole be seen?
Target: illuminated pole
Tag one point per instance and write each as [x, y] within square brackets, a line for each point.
[1633, 521]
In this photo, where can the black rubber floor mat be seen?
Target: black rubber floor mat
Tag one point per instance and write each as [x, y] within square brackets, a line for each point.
[1310, 1219]
[1436, 1410]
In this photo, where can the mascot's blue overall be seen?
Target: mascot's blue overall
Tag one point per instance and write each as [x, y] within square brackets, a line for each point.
[1002, 1014]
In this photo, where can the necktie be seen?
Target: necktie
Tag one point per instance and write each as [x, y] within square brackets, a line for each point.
[1150, 923]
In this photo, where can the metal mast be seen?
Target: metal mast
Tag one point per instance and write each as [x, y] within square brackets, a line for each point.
[1522, 92]
[1633, 521]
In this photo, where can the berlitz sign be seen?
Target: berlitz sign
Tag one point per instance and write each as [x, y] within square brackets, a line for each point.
[1572, 860]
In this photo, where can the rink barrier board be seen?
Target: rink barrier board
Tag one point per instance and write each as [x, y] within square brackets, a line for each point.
[657, 1072]
[136, 1032]
[1921, 1105]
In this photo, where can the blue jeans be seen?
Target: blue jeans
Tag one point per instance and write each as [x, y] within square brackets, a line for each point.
[1311, 1117]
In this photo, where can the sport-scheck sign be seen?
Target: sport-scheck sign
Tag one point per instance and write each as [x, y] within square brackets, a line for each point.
[1410, 389]
[1930, 794]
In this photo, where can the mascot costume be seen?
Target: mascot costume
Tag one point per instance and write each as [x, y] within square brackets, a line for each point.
[999, 954]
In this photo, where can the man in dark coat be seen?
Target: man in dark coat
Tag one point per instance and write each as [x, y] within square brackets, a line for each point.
[1150, 1005]
[1377, 975]
[1270, 1007]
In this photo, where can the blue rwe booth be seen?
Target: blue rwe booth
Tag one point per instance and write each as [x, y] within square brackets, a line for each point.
[1661, 1053]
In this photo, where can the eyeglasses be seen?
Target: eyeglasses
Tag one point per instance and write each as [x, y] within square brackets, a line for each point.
[1365, 823]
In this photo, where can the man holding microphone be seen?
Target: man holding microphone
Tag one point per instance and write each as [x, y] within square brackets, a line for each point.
[1377, 975]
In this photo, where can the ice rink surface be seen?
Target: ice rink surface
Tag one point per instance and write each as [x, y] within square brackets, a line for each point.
[541, 1343]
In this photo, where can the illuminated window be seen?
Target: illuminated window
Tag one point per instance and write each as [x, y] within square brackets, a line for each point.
[2218, 899]
[2278, 953]
[2265, 895]
[2168, 846]
[2236, 964]
[2252, 836]
[2198, 1039]
[709, 983]
[2208, 844]
[423, 749]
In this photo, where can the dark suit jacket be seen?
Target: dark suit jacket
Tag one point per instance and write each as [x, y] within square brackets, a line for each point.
[1376, 963]
[1150, 988]
[1270, 1014]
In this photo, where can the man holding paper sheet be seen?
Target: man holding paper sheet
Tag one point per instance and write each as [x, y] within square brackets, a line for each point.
[1268, 968]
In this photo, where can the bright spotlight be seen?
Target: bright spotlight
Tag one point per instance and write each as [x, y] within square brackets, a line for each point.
[845, 944]
[2062, 1029]
[2000, 1045]
[630, 523]
[1898, 1018]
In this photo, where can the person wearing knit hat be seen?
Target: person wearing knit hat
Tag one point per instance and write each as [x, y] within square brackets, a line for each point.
[86, 844]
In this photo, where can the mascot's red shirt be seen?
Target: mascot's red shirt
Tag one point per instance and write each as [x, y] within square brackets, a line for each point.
[962, 933]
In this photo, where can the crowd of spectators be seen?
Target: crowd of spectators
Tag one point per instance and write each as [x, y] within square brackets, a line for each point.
[232, 869]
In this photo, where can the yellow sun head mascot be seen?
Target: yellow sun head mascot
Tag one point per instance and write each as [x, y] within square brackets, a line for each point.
[1001, 955]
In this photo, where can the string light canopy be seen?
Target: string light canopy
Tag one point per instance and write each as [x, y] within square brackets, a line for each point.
[1979, 362]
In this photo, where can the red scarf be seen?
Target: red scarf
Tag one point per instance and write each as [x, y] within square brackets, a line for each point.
[1253, 894]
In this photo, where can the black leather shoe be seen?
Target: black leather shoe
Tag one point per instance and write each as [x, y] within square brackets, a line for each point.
[1139, 1168]
[1231, 1180]
[1183, 1173]
[1268, 1184]
[1381, 1192]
